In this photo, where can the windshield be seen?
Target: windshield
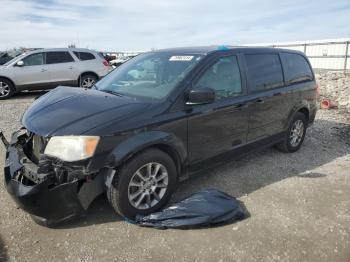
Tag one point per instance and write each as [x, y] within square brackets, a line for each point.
[14, 59]
[150, 75]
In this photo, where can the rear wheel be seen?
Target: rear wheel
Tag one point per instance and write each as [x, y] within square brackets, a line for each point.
[6, 89]
[144, 184]
[87, 81]
[295, 134]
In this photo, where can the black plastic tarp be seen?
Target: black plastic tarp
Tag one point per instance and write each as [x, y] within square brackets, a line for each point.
[206, 208]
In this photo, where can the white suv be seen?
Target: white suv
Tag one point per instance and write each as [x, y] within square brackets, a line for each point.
[47, 68]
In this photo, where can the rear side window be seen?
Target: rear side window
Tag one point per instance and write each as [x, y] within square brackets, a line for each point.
[58, 57]
[264, 71]
[297, 69]
[83, 56]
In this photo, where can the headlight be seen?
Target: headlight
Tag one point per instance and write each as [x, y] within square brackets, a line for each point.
[72, 148]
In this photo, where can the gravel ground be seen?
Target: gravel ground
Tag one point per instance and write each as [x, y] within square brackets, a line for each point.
[299, 206]
[335, 85]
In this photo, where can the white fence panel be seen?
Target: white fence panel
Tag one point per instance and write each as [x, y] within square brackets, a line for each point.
[327, 63]
[326, 50]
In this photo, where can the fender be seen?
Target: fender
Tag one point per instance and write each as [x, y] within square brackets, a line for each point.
[87, 73]
[142, 141]
[9, 79]
[296, 108]
[145, 140]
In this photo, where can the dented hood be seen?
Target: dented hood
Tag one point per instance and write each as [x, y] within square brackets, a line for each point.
[77, 111]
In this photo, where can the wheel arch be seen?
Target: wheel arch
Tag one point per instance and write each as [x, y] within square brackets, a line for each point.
[302, 108]
[87, 73]
[160, 140]
[306, 113]
[10, 80]
[171, 151]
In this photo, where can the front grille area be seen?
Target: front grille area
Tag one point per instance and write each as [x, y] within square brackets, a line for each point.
[25, 153]
[37, 168]
[25, 178]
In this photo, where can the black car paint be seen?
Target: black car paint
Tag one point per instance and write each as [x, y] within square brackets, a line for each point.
[79, 112]
[191, 134]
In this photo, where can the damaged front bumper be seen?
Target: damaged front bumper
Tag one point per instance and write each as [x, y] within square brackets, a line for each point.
[36, 189]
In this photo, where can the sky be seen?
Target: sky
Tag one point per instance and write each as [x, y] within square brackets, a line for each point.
[121, 25]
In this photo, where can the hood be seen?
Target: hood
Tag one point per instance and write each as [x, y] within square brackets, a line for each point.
[77, 111]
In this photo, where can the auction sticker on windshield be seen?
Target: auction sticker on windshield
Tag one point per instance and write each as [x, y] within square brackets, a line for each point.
[181, 58]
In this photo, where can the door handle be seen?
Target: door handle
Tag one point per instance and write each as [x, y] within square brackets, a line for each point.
[259, 101]
[43, 70]
[277, 94]
[238, 107]
[242, 105]
[71, 67]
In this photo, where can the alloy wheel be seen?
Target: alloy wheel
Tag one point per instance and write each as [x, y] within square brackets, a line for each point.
[88, 82]
[148, 186]
[4, 89]
[296, 133]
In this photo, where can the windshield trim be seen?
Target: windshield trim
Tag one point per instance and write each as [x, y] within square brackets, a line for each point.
[13, 60]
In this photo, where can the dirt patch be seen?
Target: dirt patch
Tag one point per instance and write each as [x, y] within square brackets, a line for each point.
[335, 85]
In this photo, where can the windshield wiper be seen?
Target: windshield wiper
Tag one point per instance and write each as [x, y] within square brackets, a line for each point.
[112, 92]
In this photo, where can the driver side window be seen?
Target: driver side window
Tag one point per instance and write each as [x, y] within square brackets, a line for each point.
[223, 77]
[34, 59]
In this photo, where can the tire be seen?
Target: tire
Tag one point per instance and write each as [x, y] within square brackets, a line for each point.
[122, 192]
[87, 81]
[42, 222]
[6, 89]
[289, 145]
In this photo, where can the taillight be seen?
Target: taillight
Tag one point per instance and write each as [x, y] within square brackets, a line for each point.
[317, 92]
[105, 63]
[317, 89]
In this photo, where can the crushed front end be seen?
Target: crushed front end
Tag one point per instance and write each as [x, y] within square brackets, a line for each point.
[49, 189]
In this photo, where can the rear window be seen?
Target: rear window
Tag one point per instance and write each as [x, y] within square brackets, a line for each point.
[264, 71]
[83, 56]
[103, 56]
[58, 57]
[297, 69]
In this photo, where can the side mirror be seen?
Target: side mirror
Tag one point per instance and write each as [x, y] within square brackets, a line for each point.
[200, 96]
[20, 63]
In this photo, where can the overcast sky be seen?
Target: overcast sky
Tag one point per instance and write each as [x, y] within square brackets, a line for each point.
[142, 25]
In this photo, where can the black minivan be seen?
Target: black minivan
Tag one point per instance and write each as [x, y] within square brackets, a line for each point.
[151, 123]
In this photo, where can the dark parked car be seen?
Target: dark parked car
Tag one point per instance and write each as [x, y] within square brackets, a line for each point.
[151, 123]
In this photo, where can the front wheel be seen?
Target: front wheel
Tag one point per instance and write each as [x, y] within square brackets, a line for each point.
[6, 89]
[295, 134]
[144, 184]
